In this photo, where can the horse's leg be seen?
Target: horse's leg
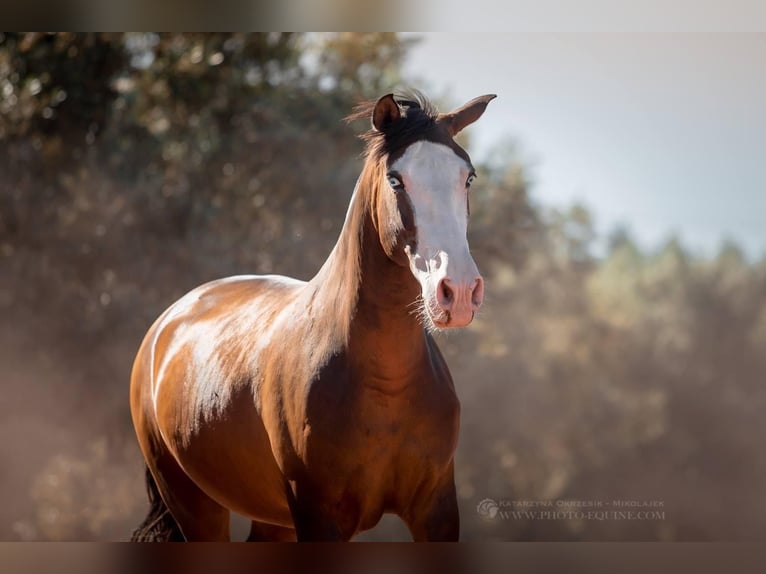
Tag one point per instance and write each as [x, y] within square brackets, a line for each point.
[311, 526]
[263, 532]
[313, 522]
[199, 516]
[436, 516]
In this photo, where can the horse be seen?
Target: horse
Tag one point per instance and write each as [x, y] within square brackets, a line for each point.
[313, 408]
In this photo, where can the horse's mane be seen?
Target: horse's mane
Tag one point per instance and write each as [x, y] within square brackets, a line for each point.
[418, 116]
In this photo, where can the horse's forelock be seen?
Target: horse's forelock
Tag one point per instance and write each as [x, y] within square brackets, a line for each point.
[419, 117]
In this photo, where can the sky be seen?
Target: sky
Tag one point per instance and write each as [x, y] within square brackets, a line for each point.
[662, 133]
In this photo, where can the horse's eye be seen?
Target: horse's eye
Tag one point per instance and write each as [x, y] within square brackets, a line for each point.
[470, 180]
[395, 181]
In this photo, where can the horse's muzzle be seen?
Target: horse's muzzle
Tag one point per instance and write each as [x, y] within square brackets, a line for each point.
[458, 301]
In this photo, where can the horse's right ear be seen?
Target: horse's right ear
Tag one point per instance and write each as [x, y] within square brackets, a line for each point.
[385, 113]
[465, 115]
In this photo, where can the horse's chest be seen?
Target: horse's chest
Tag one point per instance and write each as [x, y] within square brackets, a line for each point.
[383, 440]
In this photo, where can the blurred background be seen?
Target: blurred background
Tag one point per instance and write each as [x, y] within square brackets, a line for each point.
[617, 220]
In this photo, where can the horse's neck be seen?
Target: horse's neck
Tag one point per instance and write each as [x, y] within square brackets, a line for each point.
[368, 298]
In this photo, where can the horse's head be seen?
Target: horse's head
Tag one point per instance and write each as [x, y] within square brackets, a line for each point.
[422, 205]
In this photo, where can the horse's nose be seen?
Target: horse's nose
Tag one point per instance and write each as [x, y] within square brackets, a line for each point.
[450, 296]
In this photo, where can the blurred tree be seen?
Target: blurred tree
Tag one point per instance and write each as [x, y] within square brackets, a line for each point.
[362, 65]
[504, 223]
[58, 85]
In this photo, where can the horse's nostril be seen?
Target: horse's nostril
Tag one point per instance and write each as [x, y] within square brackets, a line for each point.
[477, 294]
[444, 293]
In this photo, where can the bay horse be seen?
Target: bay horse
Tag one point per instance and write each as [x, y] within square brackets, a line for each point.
[312, 408]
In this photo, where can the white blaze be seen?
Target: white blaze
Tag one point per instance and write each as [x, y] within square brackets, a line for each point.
[434, 178]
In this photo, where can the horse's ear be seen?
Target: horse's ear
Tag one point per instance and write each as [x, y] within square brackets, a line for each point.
[385, 113]
[465, 115]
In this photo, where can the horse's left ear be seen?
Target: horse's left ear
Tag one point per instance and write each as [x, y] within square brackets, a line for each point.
[385, 113]
[465, 115]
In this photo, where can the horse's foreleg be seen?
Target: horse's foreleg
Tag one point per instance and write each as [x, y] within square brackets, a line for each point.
[314, 521]
[313, 525]
[263, 532]
[435, 518]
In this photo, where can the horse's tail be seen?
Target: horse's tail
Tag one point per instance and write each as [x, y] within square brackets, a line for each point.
[159, 525]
